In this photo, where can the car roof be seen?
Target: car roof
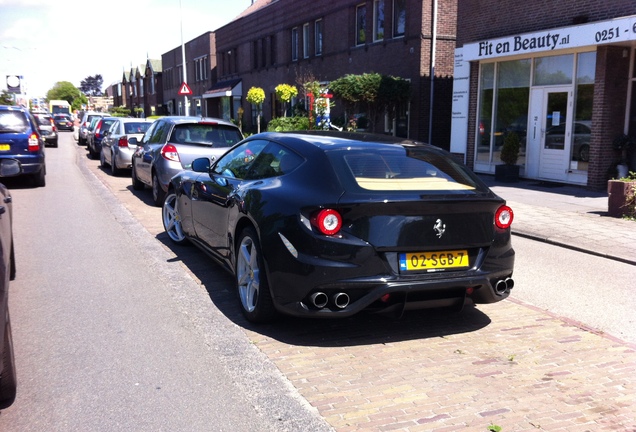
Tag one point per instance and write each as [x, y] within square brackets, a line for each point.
[193, 119]
[331, 140]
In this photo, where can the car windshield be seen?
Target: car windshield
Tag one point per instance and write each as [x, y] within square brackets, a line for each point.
[136, 127]
[405, 168]
[13, 121]
[204, 133]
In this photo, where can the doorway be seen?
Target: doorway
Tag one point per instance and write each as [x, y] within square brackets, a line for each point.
[549, 133]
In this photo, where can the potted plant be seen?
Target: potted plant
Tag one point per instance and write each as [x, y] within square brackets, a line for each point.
[509, 171]
[621, 193]
[623, 144]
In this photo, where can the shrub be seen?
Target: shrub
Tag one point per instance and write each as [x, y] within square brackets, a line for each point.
[283, 124]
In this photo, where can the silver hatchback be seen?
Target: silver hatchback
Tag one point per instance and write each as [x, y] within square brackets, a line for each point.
[170, 146]
[119, 143]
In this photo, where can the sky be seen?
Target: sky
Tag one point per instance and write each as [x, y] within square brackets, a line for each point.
[47, 41]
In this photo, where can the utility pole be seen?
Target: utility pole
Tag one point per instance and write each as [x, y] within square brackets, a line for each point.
[183, 57]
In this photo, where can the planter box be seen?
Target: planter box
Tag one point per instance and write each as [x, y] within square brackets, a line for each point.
[620, 197]
[507, 173]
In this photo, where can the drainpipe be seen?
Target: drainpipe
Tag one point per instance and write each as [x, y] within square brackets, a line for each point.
[432, 72]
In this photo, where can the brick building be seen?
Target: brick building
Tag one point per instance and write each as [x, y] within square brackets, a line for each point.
[292, 41]
[200, 54]
[559, 74]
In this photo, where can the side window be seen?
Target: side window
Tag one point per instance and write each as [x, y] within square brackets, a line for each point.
[149, 133]
[273, 161]
[237, 163]
[158, 135]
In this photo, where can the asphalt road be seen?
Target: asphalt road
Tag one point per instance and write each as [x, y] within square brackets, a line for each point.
[112, 335]
[117, 329]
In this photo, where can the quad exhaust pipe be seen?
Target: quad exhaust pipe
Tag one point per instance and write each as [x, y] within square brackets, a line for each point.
[320, 300]
[503, 285]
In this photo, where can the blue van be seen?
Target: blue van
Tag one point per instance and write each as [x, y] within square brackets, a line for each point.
[21, 145]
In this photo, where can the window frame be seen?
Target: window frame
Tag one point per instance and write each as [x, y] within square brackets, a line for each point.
[294, 44]
[360, 24]
[318, 35]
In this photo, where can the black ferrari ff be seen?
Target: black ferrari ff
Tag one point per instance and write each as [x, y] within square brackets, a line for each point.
[329, 224]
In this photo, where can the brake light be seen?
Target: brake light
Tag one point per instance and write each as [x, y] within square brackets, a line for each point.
[123, 142]
[34, 143]
[53, 125]
[504, 217]
[97, 128]
[328, 221]
[170, 152]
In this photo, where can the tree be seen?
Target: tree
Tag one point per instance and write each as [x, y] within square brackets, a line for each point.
[256, 96]
[285, 93]
[63, 90]
[6, 98]
[92, 85]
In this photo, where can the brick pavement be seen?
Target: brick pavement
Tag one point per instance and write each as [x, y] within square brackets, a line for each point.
[507, 364]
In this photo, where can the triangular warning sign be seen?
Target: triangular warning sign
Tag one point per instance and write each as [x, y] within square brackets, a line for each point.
[185, 90]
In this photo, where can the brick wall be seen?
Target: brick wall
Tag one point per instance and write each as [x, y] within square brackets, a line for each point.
[608, 118]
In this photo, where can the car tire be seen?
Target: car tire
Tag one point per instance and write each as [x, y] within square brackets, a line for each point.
[8, 376]
[584, 153]
[113, 167]
[172, 220]
[102, 160]
[158, 195]
[39, 178]
[251, 281]
[136, 183]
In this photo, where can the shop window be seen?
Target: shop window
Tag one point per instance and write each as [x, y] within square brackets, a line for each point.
[361, 18]
[399, 18]
[378, 20]
[505, 111]
[553, 70]
[584, 103]
[486, 92]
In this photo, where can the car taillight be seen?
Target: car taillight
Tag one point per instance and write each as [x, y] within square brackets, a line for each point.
[123, 142]
[328, 221]
[504, 217]
[170, 152]
[34, 143]
[53, 125]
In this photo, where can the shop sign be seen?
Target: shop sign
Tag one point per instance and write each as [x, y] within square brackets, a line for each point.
[598, 33]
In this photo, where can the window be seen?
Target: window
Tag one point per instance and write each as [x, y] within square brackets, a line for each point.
[505, 110]
[255, 55]
[306, 40]
[294, 44]
[318, 37]
[273, 50]
[378, 20]
[553, 70]
[399, 18]
[201, 69]
[361, 18]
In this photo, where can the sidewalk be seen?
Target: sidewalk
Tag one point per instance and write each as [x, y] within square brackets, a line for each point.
[568, 216]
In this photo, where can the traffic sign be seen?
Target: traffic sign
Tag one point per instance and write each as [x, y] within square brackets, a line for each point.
[185, 90]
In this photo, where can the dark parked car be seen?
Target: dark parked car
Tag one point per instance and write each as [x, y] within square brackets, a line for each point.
[95, 137]
[47, 127]
[172, 143]
[8, 381]
[63, 122]
[329, 224]
[21, 145]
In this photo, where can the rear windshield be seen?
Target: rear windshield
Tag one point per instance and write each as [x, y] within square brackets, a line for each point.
[201, 133]
[43, 120]
[13, 121]
[136, 128]
[407, 169]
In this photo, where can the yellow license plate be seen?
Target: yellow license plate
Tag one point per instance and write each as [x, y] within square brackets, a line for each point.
[5, 147]
[433, 260]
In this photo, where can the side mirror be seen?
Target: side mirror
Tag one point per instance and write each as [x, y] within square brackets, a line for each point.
[201, 165]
